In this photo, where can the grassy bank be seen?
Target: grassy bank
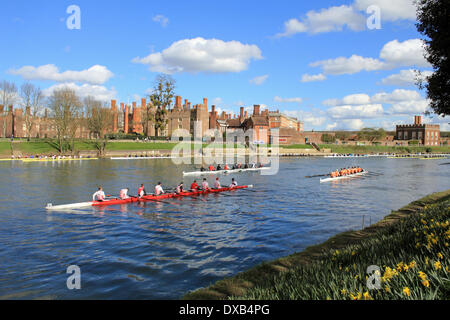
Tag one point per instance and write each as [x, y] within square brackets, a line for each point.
[410, 246]
[5, 148]
[380, 149]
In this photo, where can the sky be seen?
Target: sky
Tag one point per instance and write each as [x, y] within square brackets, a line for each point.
[335, 65]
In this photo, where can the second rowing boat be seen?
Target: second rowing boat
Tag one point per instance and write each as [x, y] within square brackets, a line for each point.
[198, 173]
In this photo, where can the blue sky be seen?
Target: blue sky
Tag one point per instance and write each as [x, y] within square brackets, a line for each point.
[235, 53]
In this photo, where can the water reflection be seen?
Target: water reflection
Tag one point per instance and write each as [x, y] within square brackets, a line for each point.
[162, 249]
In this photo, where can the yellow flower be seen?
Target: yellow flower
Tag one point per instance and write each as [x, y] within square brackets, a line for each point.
[343, 291]
[422, 275]
[426, 283]
[367, 296]
[386, 288]
[406, 291]
[412, 264]
[437, 265]
[440, 256]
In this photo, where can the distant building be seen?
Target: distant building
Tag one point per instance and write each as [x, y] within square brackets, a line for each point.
[425, 134]
[130, 119]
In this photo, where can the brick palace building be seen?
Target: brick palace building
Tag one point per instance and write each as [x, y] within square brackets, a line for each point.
[425, 134]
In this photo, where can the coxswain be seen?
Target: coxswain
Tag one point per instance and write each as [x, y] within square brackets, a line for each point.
[217, 184]
[99, 195]
[211, 168]
[180, 188]
[233, 183]
[205, 184]
[124, 194]
[158, 189]
[194, 186]
[141, 191]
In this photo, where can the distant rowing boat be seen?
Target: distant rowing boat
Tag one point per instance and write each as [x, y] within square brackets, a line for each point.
[141, 158]
[354, 156]
[56, 159]
[196, 173]
[343, 177]
[117, 201]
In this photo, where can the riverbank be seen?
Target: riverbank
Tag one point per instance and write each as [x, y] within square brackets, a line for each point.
[410, 246]
[23, 148]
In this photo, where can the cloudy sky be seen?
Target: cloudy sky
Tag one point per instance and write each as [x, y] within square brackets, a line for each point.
[332, 64]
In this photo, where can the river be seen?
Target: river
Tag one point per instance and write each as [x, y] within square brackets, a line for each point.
[163, 250]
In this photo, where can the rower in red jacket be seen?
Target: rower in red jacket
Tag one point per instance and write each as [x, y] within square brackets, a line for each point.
[211, 168]
[194, 186]
[141, 191]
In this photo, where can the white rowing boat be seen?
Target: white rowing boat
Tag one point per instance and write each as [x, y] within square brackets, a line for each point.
[197, 173]
[141, 158]
[344, 177]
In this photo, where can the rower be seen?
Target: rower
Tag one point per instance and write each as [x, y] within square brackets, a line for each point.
[99, 195]
[211, 168]
[246, 166]
[141, 191]
[205, 185]
[202, 169]
[194, 186]
[180, 188]
[226, 167]
[158, 189]
[233, 183]
[217, 184]
[239, 166]
[124, 194]
[219, 167]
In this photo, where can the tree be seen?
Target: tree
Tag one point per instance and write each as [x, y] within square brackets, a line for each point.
[32, 98]
[161, 99]
[66, 108]
[8, 96]
[328, 138]
[99, 119]
[147, 116]
[434, 23]
[370, 134]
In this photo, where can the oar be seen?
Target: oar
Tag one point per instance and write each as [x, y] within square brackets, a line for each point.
[318, 175]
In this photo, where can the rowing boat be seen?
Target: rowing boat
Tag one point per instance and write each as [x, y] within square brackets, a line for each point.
[55, 159]
[343, 177]
[152, 197]
[197, 173]
[141, 158]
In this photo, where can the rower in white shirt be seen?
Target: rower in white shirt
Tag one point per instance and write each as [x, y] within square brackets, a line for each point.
[233, 183]
[99, 195]
[217, 184]
[205, 184]
[124, 194]
[158, 189]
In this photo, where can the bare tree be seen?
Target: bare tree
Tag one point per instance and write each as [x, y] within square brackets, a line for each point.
[32, 98]
[8, 96]
[99, 120]
[147, 116]
[66, 108]
[161, 98]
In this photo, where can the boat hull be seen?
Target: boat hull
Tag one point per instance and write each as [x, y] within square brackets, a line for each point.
[343, 177]
[199, 173]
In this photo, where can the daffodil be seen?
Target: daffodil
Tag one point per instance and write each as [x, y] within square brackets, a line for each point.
[406, 291]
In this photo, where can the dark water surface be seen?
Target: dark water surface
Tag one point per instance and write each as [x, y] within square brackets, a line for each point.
[163, 250]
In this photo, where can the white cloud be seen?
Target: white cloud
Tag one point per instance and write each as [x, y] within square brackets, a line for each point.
[407, 53]
[313, 77]
[96, 74]
[405, 78]
[369, 111]
[162, 20]
[409, 107]
[353, 99]
[217, 101]
[394, 54]
[202, 55]
[390, 10]
[343, 65]
[398, 95]
[325, 20]
[99, 92]
[351, 124]
[257, 81]
[287, 100]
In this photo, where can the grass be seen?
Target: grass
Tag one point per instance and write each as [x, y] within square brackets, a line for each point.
[379, 149]
[5, 148]
[410, 247]
[297, 146]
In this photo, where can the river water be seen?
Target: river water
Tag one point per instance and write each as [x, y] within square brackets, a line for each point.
[163, 250]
